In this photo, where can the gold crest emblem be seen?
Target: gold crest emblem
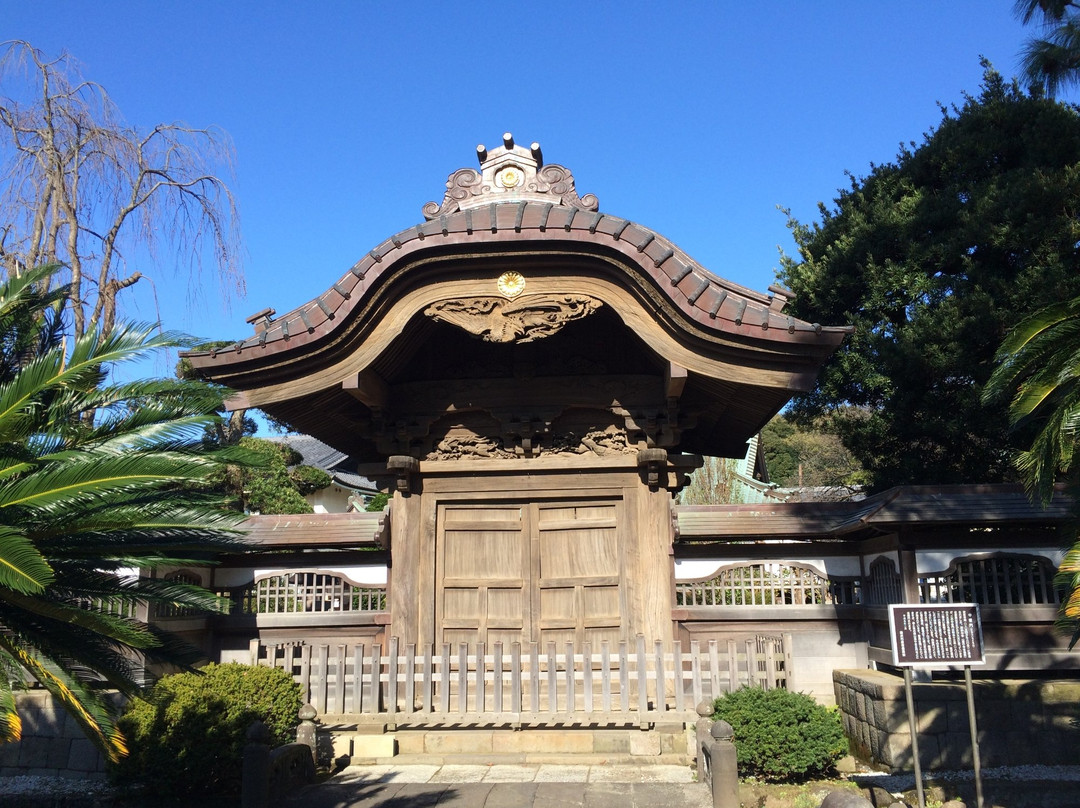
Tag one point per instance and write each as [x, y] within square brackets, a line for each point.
[511, 284]
[511, 177]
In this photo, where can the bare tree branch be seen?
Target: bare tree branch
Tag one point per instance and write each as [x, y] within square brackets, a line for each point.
[81, 188]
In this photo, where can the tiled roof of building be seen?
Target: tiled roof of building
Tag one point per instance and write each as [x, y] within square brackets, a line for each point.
[890, 510]
[337, 464]
[323, 530]
[713, 303]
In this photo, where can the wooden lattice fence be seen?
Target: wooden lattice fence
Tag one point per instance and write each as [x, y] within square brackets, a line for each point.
[629, 683]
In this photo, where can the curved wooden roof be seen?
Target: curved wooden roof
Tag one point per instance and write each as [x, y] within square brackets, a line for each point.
[717, 307]
[733, 343]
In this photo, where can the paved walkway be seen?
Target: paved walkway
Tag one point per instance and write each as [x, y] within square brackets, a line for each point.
[506, 786]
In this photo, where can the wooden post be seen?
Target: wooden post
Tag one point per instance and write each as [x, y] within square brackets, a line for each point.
[358, 679]
[463, 677]
[642, 680]
[376, 678]
[515, 677]
[305, 671]
[410, 678]
[427, 682]
[392, 679]
[624, 677]
[497, 678]
[587, 675]
[444, 678]
[534, 675]
[553, 679]
[481, 674]
[605, 676]
[571, 696]
[695, 670]
[789, 660]
[677, 671]
[320, 679]
[661, 677]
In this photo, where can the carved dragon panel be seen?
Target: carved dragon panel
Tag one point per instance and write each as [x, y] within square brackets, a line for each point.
[526, 319]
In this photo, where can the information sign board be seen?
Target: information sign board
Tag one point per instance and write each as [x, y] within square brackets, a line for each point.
[936, 634]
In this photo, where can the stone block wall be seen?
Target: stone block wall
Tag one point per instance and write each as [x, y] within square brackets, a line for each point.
[52, 743]
[1019, 721]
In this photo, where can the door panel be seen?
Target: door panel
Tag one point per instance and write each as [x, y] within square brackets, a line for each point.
[578, 571]
[529, 572]
[483, 569]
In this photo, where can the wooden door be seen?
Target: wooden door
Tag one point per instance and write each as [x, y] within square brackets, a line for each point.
[576, 573]
[528, 572]
[483, 574]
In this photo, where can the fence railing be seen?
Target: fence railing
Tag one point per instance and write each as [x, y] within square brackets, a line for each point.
[629, 683]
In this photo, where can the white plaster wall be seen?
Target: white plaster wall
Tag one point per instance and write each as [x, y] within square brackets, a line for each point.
[929, 561]
[689, 569]
[370, 574]
[816, 654]
[332, 499]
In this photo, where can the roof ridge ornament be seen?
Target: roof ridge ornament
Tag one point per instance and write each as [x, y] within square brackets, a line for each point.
[510, 173]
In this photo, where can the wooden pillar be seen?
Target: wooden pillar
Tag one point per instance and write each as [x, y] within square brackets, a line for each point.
[406, 591]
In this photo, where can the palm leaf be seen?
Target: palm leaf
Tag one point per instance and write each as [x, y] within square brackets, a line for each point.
[87, 710]
[10, 723]
[96, 477]
[22, 567]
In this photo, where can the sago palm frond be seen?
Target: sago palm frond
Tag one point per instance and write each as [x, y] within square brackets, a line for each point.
[86, 707]
[96, 479]
[22, 566]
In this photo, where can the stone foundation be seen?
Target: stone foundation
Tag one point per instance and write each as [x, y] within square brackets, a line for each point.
[663, 743]
[52, 743]
[1019, 721]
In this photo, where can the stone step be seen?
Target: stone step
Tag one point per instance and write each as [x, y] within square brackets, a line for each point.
[530, 758]
[672, 745]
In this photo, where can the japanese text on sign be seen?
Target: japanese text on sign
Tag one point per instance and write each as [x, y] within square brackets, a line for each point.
[936, 634]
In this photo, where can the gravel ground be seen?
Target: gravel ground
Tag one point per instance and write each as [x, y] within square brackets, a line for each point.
[897, 783]
[33, 785]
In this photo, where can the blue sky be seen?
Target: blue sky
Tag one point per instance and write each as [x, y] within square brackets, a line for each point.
[695, 119]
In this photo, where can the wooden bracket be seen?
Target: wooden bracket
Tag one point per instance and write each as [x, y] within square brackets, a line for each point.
[653, 462]
[404, 467]
[368, 388]
[674, 380]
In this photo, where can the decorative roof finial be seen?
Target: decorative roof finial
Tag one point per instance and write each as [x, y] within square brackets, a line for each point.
[509, 173]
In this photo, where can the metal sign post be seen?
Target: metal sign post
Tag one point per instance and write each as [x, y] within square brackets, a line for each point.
[929, 636]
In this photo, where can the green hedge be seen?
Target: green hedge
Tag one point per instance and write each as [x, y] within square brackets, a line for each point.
[188, 736]
[782, 736]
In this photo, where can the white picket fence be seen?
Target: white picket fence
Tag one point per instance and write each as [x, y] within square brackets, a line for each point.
[630, 683]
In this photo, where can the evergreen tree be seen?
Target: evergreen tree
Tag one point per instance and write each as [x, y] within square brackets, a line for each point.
[933, 258]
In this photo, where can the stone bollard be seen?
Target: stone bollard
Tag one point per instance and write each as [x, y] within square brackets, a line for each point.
[255, 775]
[723, 766]
[845, 799]
[305, 733]
[704, 722]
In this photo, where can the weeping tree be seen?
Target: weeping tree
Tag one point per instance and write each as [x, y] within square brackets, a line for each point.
[81, 188]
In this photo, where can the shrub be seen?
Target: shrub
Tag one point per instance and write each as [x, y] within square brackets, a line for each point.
[188, 736]
[781, 736]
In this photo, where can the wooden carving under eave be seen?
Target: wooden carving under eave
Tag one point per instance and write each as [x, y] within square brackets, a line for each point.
[525, 319]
